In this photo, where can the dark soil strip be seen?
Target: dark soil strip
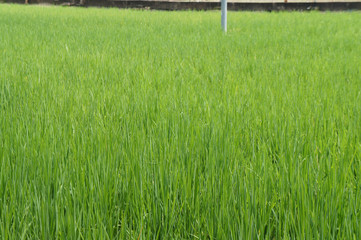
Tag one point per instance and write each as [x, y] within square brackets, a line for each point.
[174, 6]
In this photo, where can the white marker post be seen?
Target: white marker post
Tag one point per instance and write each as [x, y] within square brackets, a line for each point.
[224, 15]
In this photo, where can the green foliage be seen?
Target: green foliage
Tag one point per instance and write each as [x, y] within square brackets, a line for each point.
[116, 124]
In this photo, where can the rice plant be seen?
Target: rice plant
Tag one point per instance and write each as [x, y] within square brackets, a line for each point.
[127, 124]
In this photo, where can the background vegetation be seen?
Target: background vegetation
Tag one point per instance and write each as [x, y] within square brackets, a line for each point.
[155, 125]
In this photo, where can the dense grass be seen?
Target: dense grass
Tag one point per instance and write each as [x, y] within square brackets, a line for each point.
[126, 124]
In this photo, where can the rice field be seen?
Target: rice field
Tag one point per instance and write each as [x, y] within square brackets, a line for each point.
[126, 124]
